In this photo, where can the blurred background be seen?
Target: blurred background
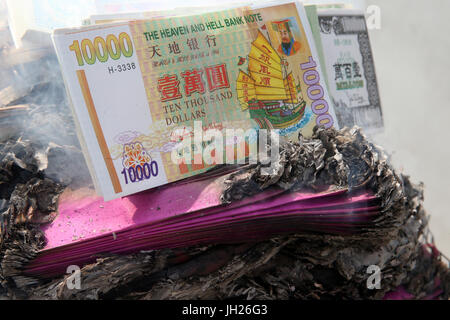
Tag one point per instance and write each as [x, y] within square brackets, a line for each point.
[412, 59]
[411, 49]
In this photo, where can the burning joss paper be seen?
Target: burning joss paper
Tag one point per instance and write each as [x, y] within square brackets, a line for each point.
[165, 99]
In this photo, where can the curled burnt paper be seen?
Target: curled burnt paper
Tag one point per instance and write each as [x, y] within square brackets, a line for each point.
[299, 266]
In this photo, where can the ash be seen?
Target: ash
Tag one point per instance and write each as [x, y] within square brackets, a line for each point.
[40, 154]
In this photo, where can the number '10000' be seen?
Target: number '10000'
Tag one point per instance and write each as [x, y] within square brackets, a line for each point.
[140, 172]
[102, 49]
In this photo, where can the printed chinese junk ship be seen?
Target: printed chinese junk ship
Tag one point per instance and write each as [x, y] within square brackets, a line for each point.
[268, 91]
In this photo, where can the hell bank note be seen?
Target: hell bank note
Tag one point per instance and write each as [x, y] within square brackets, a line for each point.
[349, 67]
[133, 84]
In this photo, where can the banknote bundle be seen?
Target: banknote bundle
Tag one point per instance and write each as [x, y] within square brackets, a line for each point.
[192, 213]
[138, 86]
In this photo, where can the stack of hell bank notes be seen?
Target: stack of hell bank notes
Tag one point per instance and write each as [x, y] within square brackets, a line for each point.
[157, 99]
[166, 96]
[190, 213]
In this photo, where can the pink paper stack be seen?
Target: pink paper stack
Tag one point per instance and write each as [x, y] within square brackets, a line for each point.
[187, 214]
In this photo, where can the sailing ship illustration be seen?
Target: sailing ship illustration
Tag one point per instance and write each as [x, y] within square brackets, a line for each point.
[268, 91]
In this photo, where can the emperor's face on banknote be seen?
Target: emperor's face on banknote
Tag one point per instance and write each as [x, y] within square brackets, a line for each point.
[285, 35]
[288, 44]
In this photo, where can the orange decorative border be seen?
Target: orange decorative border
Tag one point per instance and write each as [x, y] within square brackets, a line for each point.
[98, 130]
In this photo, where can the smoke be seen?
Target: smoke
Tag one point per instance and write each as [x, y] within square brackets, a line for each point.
[34, 107]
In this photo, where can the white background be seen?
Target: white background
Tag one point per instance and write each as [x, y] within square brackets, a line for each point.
[412, 59]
